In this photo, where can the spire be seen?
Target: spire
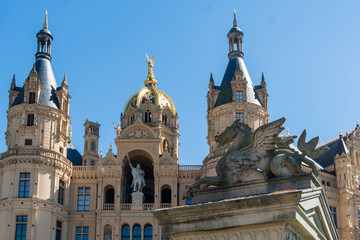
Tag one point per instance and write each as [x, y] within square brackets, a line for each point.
[64, 82]
[263, 83]
[341, 148]
[234, 22]
[211, 78]
[45, 25]
[150, 80]
[12, 87]
[33, 69]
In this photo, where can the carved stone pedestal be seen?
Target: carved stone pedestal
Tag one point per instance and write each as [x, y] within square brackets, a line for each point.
[278, 209]
[137, 201]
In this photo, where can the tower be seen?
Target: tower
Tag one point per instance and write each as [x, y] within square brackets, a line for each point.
[35, 172]
[345, 182]
[235, 98]
[91, 143]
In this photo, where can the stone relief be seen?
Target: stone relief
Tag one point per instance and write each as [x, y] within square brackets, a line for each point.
[139, 133]
[259, 155]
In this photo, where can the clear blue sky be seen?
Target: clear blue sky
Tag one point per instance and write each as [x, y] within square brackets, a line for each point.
[308, 50]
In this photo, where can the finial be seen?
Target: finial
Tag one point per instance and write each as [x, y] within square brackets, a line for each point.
[33, 69]
[287, 132]
[100, 152]
[211, 78]
[357, 122]
[340, 133]
[46, 20]
[64, 81]
[234, 22]
[13, 82]
[262, 76]
[110, 146]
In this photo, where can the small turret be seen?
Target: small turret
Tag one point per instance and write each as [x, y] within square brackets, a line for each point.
[91, 143]
[44, 41]
[235, 40]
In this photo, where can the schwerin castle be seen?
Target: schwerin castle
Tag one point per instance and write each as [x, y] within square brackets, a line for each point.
[49, 191]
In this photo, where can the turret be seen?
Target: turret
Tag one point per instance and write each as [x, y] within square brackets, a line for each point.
[236, 97]
[345, 183]
[36, 173]
[91, 143]
[44, 41]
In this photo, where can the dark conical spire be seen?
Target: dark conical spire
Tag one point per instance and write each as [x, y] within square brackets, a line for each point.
[263, 83]
[13, 85]
[211, 78]
[341, 148]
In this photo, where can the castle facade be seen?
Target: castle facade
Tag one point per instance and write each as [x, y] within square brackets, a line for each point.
[48, 190]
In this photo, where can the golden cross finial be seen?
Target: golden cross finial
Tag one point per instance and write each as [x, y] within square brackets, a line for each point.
[340, 132]
[110, 145]
[287, 131]
[357, 122]
[234, 11]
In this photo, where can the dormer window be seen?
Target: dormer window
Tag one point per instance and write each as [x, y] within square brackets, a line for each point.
[147, 116]
[31, 97]
[239, 96]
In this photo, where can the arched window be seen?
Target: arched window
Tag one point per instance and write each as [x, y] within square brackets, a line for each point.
[147, 116]
[125, 232]
[164, 118]
[109, 194]
[165, 195]
[148, 232]
[137, 232]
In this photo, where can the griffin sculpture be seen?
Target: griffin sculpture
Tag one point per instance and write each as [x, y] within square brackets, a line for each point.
[259, 155]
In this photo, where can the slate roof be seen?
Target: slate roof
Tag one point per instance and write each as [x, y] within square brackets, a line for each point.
[225, 95]
[73, 155]
[337, 146]
[48, 85]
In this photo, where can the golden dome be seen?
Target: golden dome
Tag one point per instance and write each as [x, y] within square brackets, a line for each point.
[150, 96]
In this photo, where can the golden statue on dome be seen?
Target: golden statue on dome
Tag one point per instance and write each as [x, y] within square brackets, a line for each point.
[150, 63]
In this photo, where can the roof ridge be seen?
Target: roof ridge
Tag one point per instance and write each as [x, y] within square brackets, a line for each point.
[335, 138]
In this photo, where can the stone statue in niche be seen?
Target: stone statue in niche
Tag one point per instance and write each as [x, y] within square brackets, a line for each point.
[259, 155]
[138, 177]
[108, 234]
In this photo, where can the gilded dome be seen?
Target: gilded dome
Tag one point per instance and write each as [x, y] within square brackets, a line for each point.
[150, 96]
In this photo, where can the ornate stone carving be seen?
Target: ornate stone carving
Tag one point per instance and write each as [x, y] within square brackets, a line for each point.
[257, 155]
[139, 133]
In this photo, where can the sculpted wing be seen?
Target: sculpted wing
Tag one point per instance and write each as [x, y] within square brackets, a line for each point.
[266, 137]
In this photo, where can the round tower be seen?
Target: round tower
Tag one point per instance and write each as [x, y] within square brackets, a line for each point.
[236, 98]
[34, 171]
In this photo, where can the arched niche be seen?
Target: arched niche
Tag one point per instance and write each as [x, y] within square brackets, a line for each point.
[165, 194]
[146, 163]
[107, 232]
[109, 194]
